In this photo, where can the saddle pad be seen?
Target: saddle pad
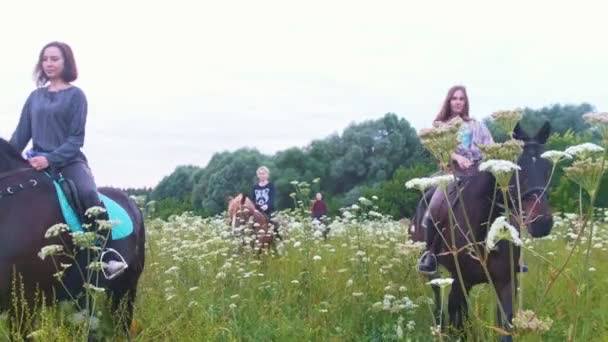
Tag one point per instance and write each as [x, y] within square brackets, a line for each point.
[122, 227]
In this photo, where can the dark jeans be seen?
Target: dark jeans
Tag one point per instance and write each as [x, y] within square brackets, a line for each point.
[80, 173]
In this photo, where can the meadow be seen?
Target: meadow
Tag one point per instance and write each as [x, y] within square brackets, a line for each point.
[201, 284]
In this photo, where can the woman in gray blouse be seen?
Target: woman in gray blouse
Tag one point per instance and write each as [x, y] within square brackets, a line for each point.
[54, 118]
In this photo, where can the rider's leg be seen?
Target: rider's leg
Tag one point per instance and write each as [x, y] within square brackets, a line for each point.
[80, 173]
[428, 260]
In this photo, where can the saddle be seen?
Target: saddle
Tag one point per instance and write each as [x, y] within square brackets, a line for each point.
[73, 211]
[71, 193]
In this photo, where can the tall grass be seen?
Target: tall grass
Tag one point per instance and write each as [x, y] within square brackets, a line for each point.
[360, 284]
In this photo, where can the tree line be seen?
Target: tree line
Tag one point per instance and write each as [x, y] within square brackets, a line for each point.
[371, 158]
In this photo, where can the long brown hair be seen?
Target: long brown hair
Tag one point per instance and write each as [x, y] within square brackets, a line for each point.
[446, 110]
[70, 72]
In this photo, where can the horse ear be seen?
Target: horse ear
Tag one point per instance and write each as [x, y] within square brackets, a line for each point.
[229, 199]
[544, 133]
[519, 133]
[243, 198]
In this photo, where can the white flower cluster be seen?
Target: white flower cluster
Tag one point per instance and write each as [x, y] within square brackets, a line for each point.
[393, 305]
[441, 282]
[583, 149]
[429, 182]
[555, 156]
[56, 230]
[496, 166]
[501, 229]
[50, 250]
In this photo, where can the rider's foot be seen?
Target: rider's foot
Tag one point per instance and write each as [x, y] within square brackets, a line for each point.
[114, 268]
[427, 263]
[523, 268]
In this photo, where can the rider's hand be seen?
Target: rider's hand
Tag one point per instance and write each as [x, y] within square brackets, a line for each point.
[462, 162]
[264, 207]
[39, 163]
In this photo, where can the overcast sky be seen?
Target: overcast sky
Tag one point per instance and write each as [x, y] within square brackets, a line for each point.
[171, 82]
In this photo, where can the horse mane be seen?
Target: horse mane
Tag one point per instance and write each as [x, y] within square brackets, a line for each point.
[11, 155]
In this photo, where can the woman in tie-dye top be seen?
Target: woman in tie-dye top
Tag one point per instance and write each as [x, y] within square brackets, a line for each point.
[465, 161]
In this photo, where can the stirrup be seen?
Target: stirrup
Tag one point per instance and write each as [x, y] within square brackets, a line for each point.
[119, 271]
[432, 255]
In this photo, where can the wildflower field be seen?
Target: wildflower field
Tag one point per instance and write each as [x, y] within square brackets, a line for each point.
[359, 284]
[201, 284]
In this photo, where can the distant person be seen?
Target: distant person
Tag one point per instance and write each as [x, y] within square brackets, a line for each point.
[263, 192]
[54, 118]
[319, 208]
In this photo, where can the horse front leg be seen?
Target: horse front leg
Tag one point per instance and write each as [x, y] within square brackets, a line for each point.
[505, 293]
[458, 308]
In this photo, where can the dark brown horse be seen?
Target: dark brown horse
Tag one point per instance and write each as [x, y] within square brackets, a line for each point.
[479, 202]
[28, 207]
[243, 215]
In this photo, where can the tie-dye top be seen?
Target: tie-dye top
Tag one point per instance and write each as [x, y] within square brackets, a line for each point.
[472, 134]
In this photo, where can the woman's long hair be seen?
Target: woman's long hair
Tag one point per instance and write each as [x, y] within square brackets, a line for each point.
[445, 113]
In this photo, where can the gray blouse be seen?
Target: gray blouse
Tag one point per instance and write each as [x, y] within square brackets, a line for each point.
[55, 122]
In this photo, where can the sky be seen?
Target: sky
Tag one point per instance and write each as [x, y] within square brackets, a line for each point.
[172, 82]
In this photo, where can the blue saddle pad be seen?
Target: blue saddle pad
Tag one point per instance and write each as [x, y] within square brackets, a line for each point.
[122, 223]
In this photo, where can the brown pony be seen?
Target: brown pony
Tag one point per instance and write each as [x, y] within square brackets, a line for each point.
[244, 218]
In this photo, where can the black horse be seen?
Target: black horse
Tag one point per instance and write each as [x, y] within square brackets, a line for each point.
[28, 207]
[481, 204]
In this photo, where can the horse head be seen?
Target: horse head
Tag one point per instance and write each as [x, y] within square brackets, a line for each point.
[240, 210]
[533, 180]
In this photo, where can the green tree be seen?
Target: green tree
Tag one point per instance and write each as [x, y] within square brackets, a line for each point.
[178, 185]
[563, 118]
[227, 174]
[393, 198]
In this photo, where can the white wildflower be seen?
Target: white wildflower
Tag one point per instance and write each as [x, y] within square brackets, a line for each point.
[172, 269]
[442, 181]
[495, 166]
[501, 229]
[584, 149]
[555, 156]
[420, 184]
[94, 211]
[56, 229]
[49, 251]
[441, 282]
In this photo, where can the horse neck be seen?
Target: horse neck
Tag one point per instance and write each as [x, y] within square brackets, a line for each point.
[9, 163]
